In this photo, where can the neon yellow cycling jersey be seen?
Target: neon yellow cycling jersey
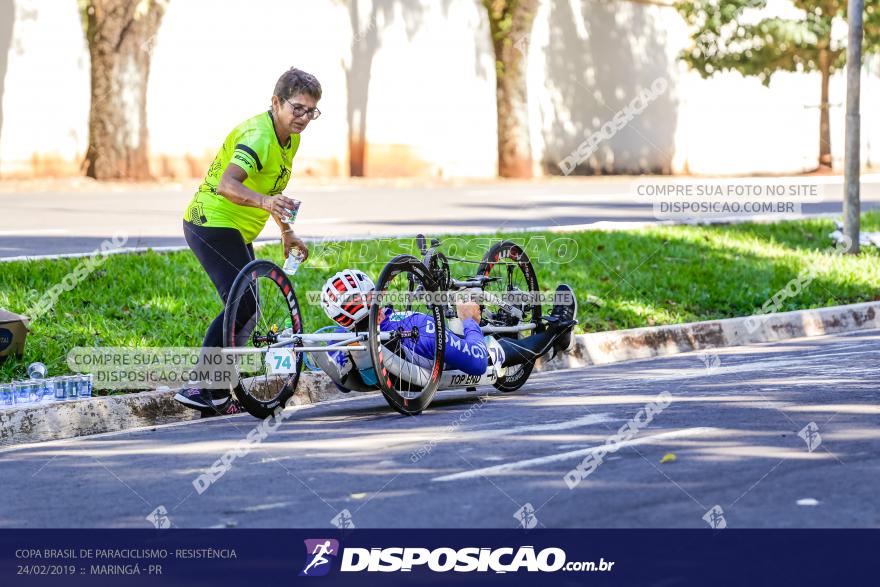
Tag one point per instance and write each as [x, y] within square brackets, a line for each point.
[254, 147]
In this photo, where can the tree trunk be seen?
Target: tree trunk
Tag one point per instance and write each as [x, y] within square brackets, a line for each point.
[364, 45]
[824, 124]
[510, 23]
[121, 37]
[7, 18]
[357, 147]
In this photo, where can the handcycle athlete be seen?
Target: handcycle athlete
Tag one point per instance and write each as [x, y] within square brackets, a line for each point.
[394, 335]
[345, 299]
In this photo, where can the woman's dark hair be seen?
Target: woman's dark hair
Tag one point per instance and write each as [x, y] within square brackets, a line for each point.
[296, 81]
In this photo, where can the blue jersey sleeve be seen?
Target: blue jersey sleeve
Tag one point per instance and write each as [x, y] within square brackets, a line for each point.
[468, 353]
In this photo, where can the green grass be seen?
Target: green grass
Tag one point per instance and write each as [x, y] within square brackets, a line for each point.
[654, 276]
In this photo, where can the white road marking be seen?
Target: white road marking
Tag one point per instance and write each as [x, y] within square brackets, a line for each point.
[516, 465]
[576, 423]
[224, 525]
[267, 506]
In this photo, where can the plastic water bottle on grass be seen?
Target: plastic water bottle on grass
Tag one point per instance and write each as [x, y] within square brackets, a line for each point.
[58, 389]
[38, 384]
[37, 370]
[72, 386]
[6, 395]
[47, 390]
[85, 385]
[21, 390]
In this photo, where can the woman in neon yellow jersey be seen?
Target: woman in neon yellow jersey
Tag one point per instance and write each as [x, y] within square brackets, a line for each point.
[241, 190]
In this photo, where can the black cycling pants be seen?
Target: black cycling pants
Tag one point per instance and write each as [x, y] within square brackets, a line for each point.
[526, 350]
[223, 253]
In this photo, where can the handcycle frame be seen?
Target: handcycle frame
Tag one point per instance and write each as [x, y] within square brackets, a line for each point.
[508, 322]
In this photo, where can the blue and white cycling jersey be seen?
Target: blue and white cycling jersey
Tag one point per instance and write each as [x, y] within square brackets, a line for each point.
[467, 354]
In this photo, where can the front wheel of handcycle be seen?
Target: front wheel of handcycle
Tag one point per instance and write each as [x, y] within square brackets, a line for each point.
[513, 274]
[407, 347]
[261, 310]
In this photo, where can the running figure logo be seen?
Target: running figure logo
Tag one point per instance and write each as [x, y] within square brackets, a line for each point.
[810, 434]
[526, 516]
[715, 518]
[317, 552]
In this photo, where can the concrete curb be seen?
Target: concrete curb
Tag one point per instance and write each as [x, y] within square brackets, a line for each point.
[110, 414]
[68, 419]
[599, 348]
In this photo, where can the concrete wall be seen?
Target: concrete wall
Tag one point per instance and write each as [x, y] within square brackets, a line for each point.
[422, 72]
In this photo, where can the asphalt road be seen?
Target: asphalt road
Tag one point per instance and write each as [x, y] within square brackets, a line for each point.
[79, 220]
[732, 422]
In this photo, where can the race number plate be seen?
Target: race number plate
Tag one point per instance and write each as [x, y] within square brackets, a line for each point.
[497, 356]
[280, 362]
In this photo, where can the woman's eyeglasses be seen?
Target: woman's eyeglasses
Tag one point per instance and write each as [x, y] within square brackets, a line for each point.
[300, 110]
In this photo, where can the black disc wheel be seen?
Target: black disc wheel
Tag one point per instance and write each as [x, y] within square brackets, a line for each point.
[407, 345]
[261, 313]
[513, 277]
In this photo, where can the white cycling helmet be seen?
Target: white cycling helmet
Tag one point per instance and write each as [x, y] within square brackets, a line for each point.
[343, 299]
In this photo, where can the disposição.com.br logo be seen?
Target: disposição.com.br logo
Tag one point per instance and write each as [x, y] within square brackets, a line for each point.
[322, 552]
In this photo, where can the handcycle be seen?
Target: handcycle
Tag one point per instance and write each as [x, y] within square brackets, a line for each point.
[369, 358]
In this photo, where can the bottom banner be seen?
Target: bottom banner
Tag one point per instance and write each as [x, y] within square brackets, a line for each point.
[436, 557]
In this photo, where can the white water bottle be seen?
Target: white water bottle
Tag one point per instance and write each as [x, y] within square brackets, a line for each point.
[294, 256]
[294, 260]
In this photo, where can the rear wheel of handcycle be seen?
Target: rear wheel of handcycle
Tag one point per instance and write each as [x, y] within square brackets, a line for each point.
[408, 379]
[263, 290]
[510, 264]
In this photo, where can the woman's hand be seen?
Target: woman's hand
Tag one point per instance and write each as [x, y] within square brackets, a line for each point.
[278, 206]
[289, 240]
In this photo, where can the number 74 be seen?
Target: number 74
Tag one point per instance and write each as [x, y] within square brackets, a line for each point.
[280, 361]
